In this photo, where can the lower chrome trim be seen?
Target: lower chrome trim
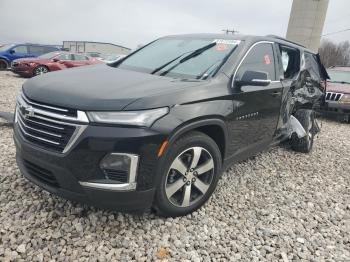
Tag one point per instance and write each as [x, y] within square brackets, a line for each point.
[131, 185]
[112, 187]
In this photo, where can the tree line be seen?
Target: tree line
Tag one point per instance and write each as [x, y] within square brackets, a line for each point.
[335, 54]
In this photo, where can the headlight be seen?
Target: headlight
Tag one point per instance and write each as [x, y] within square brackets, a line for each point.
[345, 99]
[133, 118]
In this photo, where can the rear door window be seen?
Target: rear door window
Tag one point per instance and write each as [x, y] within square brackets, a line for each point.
[80, 57]
[260, 58]
[48, 49]
[65, 57]
[290, 61]
[36, 50]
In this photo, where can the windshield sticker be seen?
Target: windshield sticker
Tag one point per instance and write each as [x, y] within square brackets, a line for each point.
[267, 60]
[221, 47]
[226, 41]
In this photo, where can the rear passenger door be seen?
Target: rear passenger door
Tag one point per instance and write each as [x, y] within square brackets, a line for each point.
[64, 61]
[288, 69]
[256, 107]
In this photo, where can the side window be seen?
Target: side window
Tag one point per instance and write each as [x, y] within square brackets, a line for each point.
[36, 50]
[21, 49]
[80, 57]
[290, 59]
[48, 49]
[260, 58]
[64, 57]
[312, 65]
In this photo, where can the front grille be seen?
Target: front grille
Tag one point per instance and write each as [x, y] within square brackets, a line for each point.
[41, 174]
[46, 126]
[332, 96]
[117, 175]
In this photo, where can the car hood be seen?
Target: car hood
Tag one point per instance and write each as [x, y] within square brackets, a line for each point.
[338, 88]
[102, 87]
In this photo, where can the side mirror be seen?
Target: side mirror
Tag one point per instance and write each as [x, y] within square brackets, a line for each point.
[12, 51]
[253, 78]
[55, 60]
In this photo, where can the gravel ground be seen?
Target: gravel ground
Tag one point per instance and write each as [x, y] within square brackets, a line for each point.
[279, 205]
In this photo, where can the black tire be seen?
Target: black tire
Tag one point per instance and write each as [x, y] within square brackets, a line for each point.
[186, 144]
[3, 64]
[39, 70]
[307, 120]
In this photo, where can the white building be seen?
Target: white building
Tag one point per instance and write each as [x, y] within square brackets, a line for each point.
[306, 22]
[95, 47]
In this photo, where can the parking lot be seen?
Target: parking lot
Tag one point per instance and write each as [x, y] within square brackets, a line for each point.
[279, 205]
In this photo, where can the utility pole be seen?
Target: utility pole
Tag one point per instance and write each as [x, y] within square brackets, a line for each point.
[306, 22]
[228, 31]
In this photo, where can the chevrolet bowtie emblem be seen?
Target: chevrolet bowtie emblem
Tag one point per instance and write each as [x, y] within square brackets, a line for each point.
[27, 111]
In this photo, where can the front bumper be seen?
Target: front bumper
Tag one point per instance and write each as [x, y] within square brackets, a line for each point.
[68, 175]
[23, 70]
[335, 109]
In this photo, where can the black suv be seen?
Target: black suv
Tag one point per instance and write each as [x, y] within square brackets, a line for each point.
[157, 128]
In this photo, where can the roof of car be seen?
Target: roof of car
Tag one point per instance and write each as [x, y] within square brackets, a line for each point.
[253, 38]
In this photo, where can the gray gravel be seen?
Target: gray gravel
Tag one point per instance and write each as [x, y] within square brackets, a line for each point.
[280, 205]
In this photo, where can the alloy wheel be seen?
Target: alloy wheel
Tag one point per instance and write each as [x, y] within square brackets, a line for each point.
[41, 70]
[189, 177]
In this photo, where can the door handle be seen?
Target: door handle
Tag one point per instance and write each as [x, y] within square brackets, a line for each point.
[276, 93]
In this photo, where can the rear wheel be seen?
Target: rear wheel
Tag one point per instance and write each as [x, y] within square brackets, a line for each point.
[307, 120]
[3, 64]
[39, 70]
[189, 175]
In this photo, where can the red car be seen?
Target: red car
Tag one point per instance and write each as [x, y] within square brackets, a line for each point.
[338, 93]
[50, 62]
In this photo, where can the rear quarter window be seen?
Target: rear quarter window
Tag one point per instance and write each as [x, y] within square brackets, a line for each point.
[311, 63]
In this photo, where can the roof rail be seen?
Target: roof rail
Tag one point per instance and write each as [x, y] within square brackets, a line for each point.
[286, 40]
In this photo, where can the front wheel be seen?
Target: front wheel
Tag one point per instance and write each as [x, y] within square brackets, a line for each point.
[189, 175]
[40, 70]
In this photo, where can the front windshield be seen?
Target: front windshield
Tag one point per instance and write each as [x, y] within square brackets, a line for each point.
[172, 57]
[49, 55]
[339, 76]
[5, 47]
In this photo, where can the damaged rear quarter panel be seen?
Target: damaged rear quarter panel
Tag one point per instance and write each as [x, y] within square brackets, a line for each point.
[303, 91]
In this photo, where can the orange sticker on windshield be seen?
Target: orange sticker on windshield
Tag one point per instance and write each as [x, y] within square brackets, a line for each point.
[267, 60]
[221, 47]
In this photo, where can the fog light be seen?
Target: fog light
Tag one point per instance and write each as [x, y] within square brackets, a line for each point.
[120, 171]
[120, 167]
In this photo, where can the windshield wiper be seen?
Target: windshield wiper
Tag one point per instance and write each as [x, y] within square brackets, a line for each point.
[167, 63]
[208, 71]
[189, 56]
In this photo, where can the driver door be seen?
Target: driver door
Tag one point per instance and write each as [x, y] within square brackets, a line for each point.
[256, 108]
